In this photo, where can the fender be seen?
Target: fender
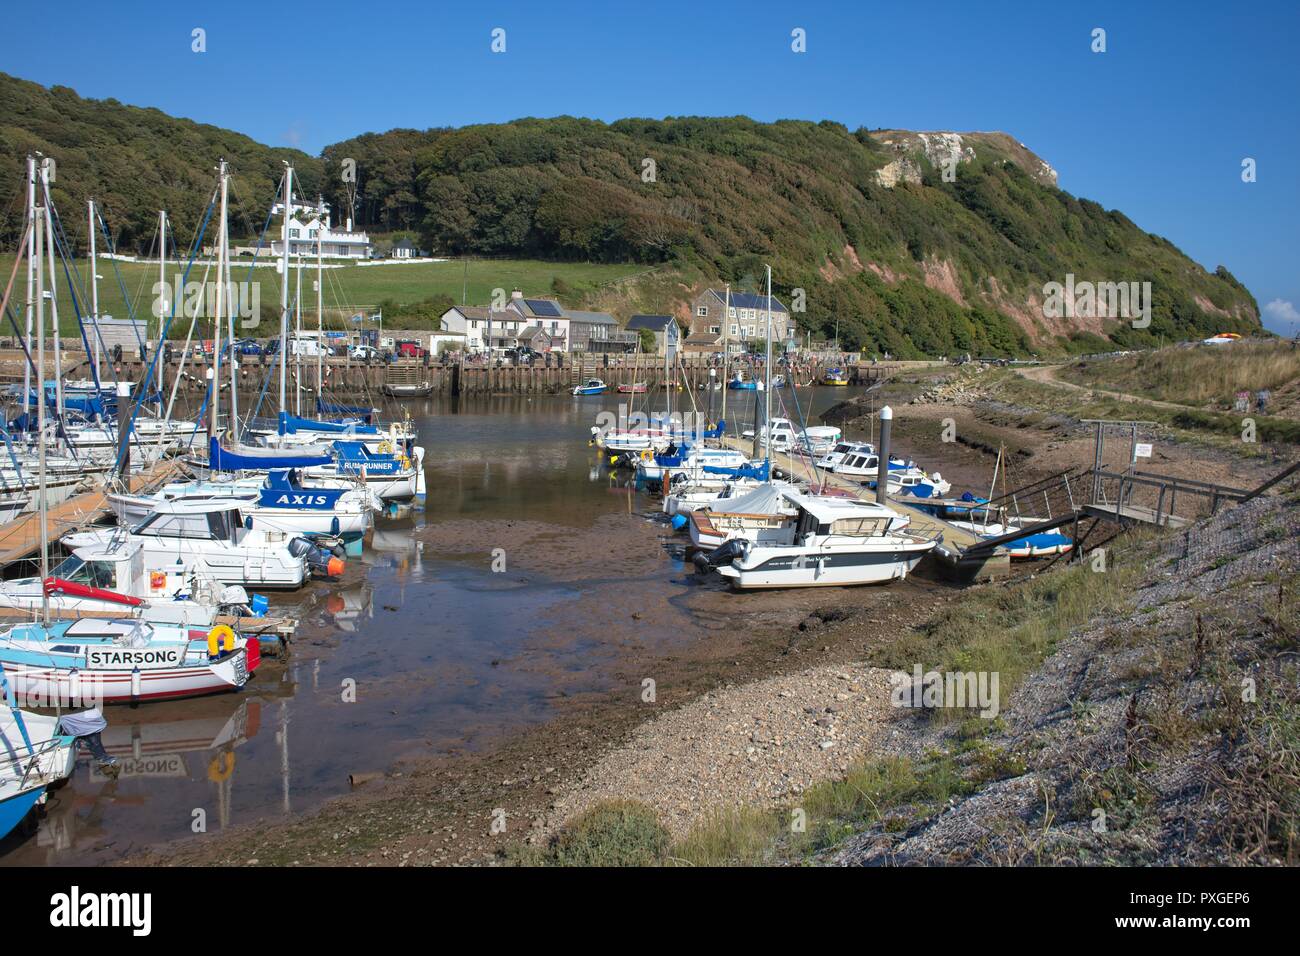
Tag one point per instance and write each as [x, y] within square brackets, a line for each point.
[63, 586]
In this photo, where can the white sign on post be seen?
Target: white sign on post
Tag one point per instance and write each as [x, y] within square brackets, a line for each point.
[1141, 450]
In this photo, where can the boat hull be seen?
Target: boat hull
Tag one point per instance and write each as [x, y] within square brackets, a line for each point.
[811, 567]
[38, 682]
[14, 809]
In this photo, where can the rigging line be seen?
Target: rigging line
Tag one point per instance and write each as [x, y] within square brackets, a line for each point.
[58, 236]
[803, 422]
[153, 362]
[76, 309]
[117, 273]
[266, 380]
[180, 371]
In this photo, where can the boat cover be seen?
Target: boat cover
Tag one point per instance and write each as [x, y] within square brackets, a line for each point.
[332, 408]
[757, 472]
[763, 500]
[292, 424]
[253, 458]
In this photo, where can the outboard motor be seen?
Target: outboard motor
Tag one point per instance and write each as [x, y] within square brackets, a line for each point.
[727, 552]
[320, 560]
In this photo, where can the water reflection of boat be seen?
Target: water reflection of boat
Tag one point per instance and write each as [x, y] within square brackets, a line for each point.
[139, 745]
[201, 746]
[350, 605]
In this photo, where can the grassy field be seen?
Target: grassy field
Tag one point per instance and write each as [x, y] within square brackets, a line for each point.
[1221, 430]
[353, 288]
[1202, 376]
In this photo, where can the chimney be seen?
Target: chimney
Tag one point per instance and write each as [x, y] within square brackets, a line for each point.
[516, 294]
[349, 229]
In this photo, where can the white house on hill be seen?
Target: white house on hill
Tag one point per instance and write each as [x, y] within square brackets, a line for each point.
[309, 224]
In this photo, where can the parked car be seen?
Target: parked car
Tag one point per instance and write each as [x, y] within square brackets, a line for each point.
[244, 347]
[365, 353]
[408, 349]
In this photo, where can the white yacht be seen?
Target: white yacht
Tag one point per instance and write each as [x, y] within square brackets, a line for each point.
[182, 538]
[841, 451]
[277, 501]
[832, 542]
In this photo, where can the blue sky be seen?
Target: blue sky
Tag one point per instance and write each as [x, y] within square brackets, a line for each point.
[1157, 126]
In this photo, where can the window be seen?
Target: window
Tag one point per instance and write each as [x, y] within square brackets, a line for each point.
[870, 527]
[293, 233]
[731, 312]
[735, 329]
[702, 311]
[175, 526]
[715, 329]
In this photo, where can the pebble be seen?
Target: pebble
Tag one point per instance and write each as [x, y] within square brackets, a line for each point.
[787, 748]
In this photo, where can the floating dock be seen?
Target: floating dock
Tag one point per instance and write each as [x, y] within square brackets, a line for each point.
[22, 538]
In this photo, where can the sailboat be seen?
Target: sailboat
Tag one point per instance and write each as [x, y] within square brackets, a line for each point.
[34, 755]
[278, 501]
[984, 522]
[124, 661]
[109, 660]
[385, 460]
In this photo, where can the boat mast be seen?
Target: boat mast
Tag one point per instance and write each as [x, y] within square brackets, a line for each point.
[214, 401]
[54, 288]
[54, 299]
[234, 353]
[94, 281]
[39, 213]
[284, 278]
[162, 319]
[726, 381]
[320, 311]
[297, 339]
[668, 391]
[767, 386]
[31, 278]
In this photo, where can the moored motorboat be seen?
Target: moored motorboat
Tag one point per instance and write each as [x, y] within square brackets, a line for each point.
[181, 538]
[830, 542]
[280, 501]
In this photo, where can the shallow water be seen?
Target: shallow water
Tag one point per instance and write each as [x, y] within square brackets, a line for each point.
[446, 654]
